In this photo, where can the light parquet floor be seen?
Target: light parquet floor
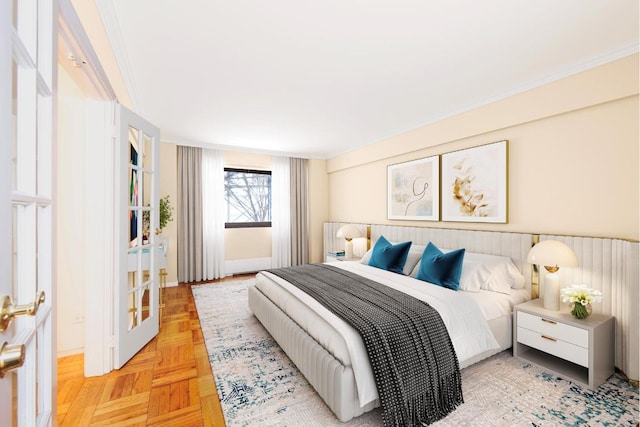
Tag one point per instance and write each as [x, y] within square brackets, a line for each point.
[167, 383]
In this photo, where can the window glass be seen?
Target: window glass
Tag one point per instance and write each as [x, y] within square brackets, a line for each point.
[248, 197]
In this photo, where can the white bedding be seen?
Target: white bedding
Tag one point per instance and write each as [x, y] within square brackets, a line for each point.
[465, 315]
[494, 304]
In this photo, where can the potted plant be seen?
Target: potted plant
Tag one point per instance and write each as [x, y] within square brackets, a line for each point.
[166, 216]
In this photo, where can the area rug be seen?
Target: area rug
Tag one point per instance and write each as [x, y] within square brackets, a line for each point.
[259, 386]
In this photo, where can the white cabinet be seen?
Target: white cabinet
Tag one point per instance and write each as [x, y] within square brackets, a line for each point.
[581, 350]
[132, 257]
[333, 258]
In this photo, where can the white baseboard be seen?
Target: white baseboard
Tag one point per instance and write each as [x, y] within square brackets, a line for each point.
[71, 352]
[251, 265]
[171, 284]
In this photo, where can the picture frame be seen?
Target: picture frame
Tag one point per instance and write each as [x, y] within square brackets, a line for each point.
[413, 190]
[474, 184]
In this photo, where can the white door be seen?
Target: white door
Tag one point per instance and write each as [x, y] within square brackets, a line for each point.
[27, 52]
[137, 320]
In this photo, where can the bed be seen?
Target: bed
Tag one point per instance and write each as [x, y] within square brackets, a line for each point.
[330, 353]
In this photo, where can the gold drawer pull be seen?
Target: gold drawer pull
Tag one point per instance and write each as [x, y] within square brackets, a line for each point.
[548, 321]
[549, 338]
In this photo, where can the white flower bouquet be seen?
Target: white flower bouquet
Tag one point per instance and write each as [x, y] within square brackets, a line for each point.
[581, 297]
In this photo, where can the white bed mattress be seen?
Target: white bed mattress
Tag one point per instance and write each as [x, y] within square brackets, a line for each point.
[466, 315]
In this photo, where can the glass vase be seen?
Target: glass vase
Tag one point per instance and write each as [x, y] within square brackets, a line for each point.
[580, 311]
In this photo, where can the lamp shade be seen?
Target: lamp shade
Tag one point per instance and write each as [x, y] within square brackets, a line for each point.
[552, 253]
[348, 232]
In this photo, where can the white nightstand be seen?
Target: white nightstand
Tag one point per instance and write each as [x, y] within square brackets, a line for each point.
[578, 350]
[332, 258]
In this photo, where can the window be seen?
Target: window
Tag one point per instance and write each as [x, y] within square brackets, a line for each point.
[248, 196]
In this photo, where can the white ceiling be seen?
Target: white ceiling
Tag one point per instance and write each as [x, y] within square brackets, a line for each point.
[319, 78]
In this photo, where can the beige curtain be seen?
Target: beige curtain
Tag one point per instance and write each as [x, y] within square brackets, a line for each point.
[299, 211]
[189, 210]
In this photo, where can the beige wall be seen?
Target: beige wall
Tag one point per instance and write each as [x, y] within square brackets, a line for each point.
[239, 159]
[169, 187]
[92, 24]
[537, 178]
[573, 158]
[70, 219]
[247, 243]
[573, 163]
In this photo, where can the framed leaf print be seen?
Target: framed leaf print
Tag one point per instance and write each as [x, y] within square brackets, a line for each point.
[474, 184]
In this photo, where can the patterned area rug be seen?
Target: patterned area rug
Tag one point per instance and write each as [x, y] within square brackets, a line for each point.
[259, 386]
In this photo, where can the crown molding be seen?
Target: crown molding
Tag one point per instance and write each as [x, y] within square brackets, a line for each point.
[76, 39]
[107, 13]
[629, 49]
[201, 144]
[605, 58]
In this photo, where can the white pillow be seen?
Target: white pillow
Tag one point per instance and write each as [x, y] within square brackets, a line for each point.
[519, 281]
[490, 272]
[413, 258]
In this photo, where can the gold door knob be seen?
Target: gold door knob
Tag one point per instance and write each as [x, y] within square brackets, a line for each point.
[11, 310]
[11, 357]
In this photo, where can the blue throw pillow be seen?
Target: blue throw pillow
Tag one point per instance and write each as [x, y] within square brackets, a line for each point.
[439, 268]
[389, 257]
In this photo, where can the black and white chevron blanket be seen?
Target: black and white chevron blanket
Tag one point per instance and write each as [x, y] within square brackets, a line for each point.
[414, 363]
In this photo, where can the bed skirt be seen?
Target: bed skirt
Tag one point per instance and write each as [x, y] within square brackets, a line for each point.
[334, 382]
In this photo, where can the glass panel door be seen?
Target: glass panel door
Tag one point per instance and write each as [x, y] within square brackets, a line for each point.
[27, 29]
[138, 319]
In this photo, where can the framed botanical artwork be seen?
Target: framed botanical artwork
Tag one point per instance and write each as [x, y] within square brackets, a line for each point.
[474, 184]
[413, 190]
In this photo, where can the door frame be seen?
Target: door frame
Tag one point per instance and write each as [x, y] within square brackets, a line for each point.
[6, 51]
[100, 216]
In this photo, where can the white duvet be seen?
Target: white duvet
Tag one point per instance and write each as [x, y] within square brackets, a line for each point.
[465, 322]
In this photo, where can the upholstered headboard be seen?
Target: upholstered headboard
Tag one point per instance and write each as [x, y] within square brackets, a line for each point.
[513, 245]
[609, 265]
